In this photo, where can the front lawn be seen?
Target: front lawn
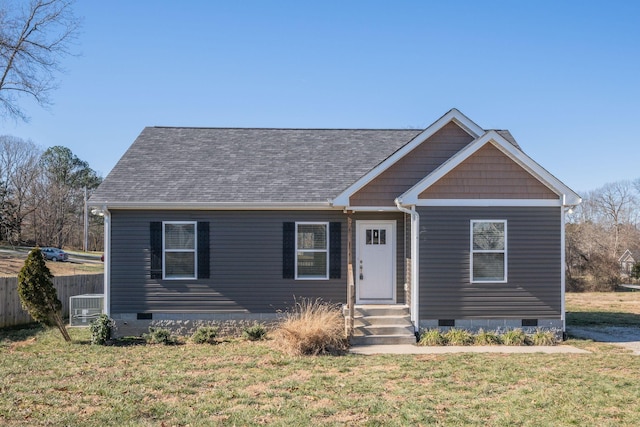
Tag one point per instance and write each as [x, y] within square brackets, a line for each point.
[603, 308]
[44, 381]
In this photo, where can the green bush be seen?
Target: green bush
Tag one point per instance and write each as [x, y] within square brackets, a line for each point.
[255, 332]
[456, 336]
[205, 335]
[514, 337]
[159, 336]
[101, 329]
[544, 337]
[37, 293]
[431, 337]
[487, 338]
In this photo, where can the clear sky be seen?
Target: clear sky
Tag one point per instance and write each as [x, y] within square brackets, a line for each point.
[562, 76]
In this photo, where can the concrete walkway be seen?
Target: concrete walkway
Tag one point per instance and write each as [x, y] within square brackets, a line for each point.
[505, 349]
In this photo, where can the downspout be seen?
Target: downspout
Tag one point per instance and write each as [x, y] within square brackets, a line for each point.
[103, 211]
[415, 226]
[563, 260]
[107, 259]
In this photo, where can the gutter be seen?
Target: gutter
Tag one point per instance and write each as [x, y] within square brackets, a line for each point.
[216, 205]
[415, 233]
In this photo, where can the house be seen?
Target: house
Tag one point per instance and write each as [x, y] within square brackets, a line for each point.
[627, 260]
[454, 224]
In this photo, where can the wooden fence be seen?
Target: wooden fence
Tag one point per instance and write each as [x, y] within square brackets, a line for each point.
[11, 312]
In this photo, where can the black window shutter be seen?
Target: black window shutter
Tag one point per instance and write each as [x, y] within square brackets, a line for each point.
[288, 250]
[155, 242]
[335, 250]
[203, 250]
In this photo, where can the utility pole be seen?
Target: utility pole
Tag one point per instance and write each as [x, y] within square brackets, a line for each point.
[86, 223]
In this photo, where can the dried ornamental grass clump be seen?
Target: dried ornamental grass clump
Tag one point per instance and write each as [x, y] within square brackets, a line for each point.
[431, 337]
[454, 336]
[487, 338]
[514, 337]
[458, 337]
[544, 337]
[312, 327]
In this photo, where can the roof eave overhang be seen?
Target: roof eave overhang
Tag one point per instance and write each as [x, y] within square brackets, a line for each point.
[212, 205]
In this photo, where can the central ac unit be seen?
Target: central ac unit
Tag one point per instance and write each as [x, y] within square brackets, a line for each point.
[85, 308]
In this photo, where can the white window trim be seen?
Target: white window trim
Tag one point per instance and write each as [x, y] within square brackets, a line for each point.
[326, 250]
[194, 250]
[476, 251]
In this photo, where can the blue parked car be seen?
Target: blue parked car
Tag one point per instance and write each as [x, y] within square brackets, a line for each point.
[55, 254]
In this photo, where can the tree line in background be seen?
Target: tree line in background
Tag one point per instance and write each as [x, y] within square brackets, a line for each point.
[599, 231]
[42, 196]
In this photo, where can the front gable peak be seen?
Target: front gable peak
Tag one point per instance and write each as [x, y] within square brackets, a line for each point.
[454, 129]
[486, 182]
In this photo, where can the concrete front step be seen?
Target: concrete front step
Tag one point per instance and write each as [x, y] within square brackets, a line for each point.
[383, 340]
[382, 324]
[381, 310]
[382, 320]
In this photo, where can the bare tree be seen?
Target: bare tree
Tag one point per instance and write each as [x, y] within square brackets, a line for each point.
[598, 232]
[34, 37]
[616, 204]
[19, 170]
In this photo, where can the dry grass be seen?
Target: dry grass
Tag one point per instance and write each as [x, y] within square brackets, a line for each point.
[626, 302]
[11, 263]
[312, 327]
[45, 382]
[603, 309]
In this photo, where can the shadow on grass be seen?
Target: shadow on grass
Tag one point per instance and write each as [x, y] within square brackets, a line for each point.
[118, 342]
[127, 342]
[20, 333]
[602, 318]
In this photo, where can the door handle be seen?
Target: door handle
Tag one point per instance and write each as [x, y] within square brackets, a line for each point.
[361, 274]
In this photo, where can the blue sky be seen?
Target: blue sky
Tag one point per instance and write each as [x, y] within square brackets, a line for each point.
[562, 76]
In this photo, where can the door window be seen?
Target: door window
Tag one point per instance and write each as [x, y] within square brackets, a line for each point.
[376, 236]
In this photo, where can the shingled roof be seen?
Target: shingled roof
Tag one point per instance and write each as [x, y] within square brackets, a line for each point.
[168, 165]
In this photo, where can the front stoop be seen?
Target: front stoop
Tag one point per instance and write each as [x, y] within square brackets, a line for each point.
[382, 324]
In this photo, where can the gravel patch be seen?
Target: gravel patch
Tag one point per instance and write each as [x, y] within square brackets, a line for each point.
[627, 337]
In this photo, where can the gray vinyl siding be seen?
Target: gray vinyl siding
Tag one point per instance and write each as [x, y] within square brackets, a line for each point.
[533, 288]
[245, 263]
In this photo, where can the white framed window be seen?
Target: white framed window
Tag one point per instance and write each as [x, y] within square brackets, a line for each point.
[488, 251]
[179, 250]
[312, 250]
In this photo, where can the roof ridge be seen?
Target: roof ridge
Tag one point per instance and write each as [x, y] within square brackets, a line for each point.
[284, 128]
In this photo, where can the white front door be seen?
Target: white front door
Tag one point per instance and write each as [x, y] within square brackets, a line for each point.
[375, 262]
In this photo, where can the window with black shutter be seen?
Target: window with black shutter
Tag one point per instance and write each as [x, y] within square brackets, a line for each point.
[179, 250]
[311, 250]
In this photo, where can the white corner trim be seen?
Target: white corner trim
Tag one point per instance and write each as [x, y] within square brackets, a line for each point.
[563, 266]
[107, 262]
[567, 196]
[452, 115]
